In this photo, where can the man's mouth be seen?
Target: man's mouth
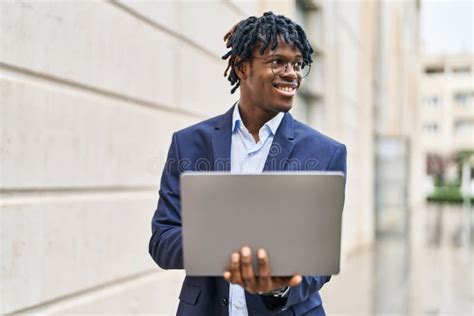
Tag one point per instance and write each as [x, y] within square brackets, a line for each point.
[288, 89]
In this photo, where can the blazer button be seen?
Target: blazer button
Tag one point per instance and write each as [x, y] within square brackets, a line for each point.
[224, 301]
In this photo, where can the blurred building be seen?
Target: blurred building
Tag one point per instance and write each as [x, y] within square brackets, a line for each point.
[363, 90]
[91, 93]
[447, 104]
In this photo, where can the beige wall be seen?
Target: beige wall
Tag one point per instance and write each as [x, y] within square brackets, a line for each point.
[348, 64]
[91, 92]
[396, 85]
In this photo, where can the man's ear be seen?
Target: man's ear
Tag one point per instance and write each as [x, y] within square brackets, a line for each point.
[242, 69]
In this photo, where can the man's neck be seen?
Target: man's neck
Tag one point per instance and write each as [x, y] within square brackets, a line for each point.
[254, 117]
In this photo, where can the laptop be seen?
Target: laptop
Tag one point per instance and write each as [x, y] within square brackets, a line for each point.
[295, 216]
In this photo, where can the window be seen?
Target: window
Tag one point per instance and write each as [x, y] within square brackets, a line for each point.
[432, 100]
[431, 70]
[464, 98]
[430, 128]
[462, 69]
[464, 127]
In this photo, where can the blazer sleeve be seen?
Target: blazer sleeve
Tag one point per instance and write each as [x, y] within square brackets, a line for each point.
[312, 284]
[338, 160]
[166, 247]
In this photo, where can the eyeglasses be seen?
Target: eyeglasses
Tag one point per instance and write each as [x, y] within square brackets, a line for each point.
[280, 65]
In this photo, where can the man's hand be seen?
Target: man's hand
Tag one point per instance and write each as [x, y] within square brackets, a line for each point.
[240, 271]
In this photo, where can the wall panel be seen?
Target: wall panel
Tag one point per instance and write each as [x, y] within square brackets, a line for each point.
[180, 17]
[59, 138]
[57, 245]
[156, 294]
[91, 43]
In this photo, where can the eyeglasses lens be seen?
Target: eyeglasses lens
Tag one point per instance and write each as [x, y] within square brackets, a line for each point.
[298, 67]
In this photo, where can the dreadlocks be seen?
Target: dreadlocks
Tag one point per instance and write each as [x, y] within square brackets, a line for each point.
[265, 30]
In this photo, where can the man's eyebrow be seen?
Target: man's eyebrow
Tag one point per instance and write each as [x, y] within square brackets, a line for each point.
[282, 56]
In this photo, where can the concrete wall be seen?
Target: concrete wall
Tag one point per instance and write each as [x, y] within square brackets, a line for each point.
[349, 28]
[91, 92]
[397, 80]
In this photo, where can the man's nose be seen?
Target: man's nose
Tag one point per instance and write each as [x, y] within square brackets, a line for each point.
[289, 72]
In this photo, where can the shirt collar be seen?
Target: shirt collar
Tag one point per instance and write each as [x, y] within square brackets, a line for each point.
[273, 124]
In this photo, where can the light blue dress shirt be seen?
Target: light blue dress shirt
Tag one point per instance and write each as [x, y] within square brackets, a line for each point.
[247, 156]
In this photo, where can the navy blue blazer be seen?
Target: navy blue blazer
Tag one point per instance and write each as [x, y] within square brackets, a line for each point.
[206, 146]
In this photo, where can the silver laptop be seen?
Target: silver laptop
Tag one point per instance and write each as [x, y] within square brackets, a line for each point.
[295, 216]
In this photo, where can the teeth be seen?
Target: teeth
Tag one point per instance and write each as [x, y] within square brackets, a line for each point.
[287, 89]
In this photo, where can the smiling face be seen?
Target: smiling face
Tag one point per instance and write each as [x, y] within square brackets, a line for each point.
[261, 87]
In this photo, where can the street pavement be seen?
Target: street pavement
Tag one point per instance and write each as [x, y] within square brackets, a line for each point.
[427, 271]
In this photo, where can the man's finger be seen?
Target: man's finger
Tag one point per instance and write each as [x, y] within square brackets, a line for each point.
[247, 270]
[295, 280]
[226, 275]
[235, 277]
[264, 273]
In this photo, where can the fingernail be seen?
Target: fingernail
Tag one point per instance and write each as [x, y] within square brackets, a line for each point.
[235, 257]
[261, 254]
[246, 251]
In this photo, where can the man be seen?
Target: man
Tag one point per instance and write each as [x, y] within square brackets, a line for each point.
[268, 58]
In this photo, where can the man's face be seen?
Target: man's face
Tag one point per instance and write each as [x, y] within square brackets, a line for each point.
[265, 89]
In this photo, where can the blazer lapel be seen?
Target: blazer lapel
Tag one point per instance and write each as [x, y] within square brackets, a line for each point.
[277, 159]
[282, 146]
[221, 142]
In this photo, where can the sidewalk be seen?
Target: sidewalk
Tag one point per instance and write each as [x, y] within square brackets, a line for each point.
[429, 273]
